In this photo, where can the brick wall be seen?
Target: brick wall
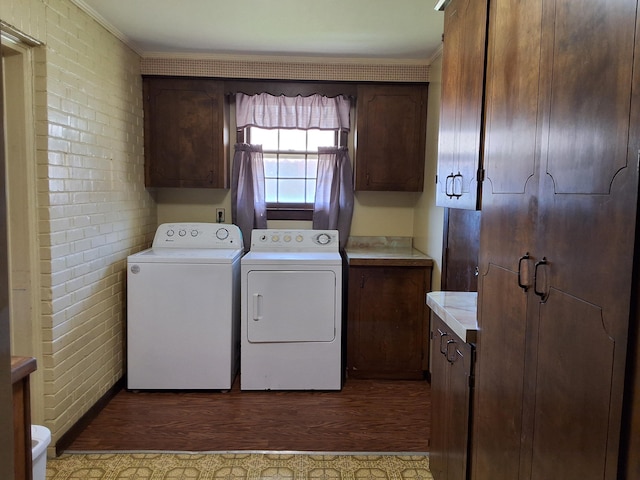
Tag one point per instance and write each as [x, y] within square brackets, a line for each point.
[93, 209]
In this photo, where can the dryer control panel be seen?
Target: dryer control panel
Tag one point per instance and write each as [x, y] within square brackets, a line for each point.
[274, 240]
[197, 235]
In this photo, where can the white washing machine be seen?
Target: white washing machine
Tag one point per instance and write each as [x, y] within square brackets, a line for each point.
[183, 308]
[291, 326]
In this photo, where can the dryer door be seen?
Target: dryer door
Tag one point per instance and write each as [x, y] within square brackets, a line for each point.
[291, 306]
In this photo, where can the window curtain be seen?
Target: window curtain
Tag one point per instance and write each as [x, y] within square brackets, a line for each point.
[333, 207]
[248, 206]
[315, 111]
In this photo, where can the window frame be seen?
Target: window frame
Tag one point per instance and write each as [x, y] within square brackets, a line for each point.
[290, 211]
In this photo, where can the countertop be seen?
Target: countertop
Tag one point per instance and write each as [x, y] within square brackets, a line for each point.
[458, 310]
[21, 367]
[385, 251]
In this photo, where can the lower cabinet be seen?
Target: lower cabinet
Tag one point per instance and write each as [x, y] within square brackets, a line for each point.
[387, 322]
[451, 385]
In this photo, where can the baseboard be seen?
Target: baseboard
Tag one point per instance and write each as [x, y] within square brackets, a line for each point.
[68, 438]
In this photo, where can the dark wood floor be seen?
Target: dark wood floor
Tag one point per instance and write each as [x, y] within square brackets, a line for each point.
[366, 416]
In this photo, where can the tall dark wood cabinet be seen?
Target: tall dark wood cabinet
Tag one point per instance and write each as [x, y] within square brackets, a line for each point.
[390, 137]
[459, 142]
[186, 133]
[559, 214]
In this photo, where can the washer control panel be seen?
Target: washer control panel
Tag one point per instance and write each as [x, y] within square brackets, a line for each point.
[198, 235]
[294, 240]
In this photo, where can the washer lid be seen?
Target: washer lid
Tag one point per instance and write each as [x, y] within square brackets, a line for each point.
[187, 255]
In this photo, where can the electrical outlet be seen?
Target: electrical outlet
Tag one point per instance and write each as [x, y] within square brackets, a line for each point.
[220, 215]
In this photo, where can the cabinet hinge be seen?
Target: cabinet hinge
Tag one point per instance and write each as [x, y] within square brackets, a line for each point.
[481, 174]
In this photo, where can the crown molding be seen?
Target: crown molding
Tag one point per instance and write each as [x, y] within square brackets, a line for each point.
[108, 26]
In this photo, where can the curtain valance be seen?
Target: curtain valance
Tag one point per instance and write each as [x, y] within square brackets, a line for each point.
[270, 111]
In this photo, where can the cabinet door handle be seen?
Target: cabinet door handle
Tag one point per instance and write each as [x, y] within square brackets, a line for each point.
[522, 259]
[454, 357]
[442, 336]
[448, 181]
[540, 293]
[457, 176]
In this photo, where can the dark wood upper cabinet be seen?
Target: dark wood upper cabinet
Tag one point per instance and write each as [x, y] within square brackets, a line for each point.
[186, 133]
[460, 127]
[390, 137]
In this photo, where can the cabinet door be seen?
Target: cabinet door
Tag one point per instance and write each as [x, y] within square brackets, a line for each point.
[460, 359]
[390, 141]
[452, 367]
[439, 399]
[509, 213]
[561, 186]
[385, 324]
[460, 250]
[586, 227]
[463, 63]
[186, 137]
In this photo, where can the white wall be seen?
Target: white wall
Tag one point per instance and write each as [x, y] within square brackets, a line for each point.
[428, 220]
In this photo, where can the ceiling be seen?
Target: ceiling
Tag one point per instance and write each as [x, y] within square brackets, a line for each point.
[397, 30]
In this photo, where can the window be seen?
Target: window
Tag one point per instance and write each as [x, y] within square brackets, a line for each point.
[289, 130]
[290, 167]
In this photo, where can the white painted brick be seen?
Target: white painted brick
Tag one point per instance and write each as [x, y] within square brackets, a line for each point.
[89, 142]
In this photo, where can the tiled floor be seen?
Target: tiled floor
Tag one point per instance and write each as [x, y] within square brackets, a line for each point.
[237, 466]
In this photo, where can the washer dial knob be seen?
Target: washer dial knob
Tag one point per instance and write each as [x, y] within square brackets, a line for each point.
[222, 234]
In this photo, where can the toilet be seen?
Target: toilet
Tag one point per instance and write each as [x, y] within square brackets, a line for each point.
[40, 439]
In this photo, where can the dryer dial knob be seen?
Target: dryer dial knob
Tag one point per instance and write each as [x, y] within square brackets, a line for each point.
[194, 233]
[222, 233]
[170, 233]
[299, 238]
[182, 233]
[323, 239]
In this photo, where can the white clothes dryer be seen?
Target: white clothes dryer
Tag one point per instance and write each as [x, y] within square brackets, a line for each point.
[183, 308]
[291, 327]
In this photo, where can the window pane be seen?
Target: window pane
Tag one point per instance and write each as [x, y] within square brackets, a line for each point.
[312, 166]
[271, 190]
[311, 191]
[291, 166]
[291, 190]
[270, 165]
[293, 140]
[267, 138]
[321, 138]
